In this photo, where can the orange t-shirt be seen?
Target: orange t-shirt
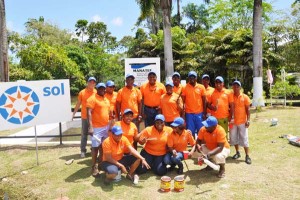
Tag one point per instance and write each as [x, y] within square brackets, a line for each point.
[169, 106]
[83, 96]
[180, 142]
[129, 98]
[158, 146]
[152, 94]
[193, 98]
[100, 110]
[208, 91]
[129, 131]
[116, 150]
[112, 100]
[221, 100]
[178, 90]
[240, 114]
[212, 139]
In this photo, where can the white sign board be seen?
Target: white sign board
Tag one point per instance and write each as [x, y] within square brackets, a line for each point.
[29, 103]
[140, 67]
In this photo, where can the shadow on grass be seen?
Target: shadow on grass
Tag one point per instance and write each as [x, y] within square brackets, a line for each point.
[82, 173]
[75, 157]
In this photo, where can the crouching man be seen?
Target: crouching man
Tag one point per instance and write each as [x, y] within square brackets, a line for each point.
[212, 143]
[114, 160]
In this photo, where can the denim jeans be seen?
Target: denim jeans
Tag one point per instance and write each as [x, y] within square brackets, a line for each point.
[169, 159]
[194, 122]
[150, 115]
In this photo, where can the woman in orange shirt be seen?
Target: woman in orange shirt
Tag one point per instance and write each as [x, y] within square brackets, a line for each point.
[155, 140]
[177, 143]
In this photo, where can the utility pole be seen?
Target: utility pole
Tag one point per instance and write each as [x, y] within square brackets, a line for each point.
[3, 45]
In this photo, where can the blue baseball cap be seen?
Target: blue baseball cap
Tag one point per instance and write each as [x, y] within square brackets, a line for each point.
[159, 117]
[177, 122]
[219, 78]
[128, 110]
[176, 74]
[130, 75]
[100, 85]
[92, 79]
[192, 73]
[110, 83]
[205, 76]
[169, 83]
[116, 130]
[237, 82]
[210, 121]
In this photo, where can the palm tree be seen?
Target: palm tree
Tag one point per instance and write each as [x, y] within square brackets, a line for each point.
[257, 54]
[3, 45]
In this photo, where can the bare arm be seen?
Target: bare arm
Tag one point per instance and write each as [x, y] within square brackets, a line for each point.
[248, 116]
[118, 106]
[78, 104]
[204, 106]
[138, 156]
[110, 159]
[89, 119]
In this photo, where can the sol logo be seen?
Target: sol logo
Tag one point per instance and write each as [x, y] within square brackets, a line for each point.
[19, 105]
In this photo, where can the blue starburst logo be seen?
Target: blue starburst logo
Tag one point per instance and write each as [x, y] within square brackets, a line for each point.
[19, 105]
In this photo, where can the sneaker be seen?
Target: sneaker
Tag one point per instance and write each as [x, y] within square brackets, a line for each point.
[82, 155]
[236, 156]
[180, 170]
[95, 170]
[248, 160]
[136, 179]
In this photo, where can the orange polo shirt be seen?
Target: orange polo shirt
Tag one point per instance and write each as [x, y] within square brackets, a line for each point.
[129, 131]
[221, 100]
[151, 94]
[129, 98]
[100, 110]
[193, 98]
[169, 106]
[83, 96]
[180, 142]
[178, 90]
[240, 114]
[212, 139]
[116, 149]
[112, 98]
[158, 146]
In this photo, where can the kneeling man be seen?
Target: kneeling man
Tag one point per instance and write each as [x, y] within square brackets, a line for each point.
[114, 159]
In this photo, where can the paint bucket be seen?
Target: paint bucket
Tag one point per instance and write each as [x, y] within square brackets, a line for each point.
[185, 155]
[178, 183]
[165, 184]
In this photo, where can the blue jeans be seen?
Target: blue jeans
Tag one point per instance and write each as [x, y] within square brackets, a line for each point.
[194, 122]
[156, 163]
[150, 115]
[169, 159]
[110, 168]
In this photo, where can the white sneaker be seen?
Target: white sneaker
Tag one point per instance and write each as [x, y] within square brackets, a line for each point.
[136, 179]
[82, 155]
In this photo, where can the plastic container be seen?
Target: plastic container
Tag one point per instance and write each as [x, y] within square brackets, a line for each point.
[185, 155]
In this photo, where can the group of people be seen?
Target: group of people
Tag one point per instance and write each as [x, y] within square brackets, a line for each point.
[175, 116]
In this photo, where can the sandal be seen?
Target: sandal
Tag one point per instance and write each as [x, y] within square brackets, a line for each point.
[221, 175]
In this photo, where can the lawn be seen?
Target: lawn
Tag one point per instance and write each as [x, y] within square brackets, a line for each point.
[274, 173]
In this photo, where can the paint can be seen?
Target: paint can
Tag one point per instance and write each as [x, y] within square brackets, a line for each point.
[165, 184]
[179, 183]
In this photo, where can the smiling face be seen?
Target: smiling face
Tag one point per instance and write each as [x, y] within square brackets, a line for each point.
[236, 89]
[110, 89]
[159, 125]
[169, 89]
[127, 118]
[205, 82]
[129, 82]
[176, 80]
[152, 79]
[219, 85]
[101, 91]
[116, 138]
[192, 80]
[91, 84]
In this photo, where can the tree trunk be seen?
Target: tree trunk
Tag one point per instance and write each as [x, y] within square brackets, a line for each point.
[257, 55]
[178, 12]
[166, 6]
[3, 45]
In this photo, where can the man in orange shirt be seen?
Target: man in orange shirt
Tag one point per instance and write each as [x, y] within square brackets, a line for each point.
[130, 97]
[194, 99]
[176, 81]
[98, 110]
[208, 91]
[155, 139]
[213, 144]
[151, 92]
[114, 159]
[241, 121]
[170, 104]
[177, 143]
[218, 103]
[111, 95]
[81, 101]
[129, 128]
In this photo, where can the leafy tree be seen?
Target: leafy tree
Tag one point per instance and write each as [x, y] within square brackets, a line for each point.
[81, 28]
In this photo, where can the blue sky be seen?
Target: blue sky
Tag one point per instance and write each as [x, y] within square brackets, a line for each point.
[119, 15]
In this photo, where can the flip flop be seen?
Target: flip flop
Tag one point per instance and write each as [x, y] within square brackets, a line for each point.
[221, 175]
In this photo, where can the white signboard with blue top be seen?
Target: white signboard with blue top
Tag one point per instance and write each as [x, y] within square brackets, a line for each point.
[30, 103]
[140, 67]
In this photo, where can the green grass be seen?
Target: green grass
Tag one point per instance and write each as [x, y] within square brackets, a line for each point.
[274, 173]
[12, 131]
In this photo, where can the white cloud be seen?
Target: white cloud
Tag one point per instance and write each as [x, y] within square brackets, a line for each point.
[96, 18]
[118, 21]
[10, 25]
